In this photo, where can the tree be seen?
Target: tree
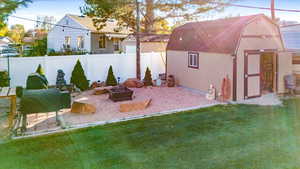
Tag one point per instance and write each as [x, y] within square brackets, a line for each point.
[39, 48]
[148, 78]
[153, 11]
[3, 31]
[7, 7]
[111, 79]
[17, 33]
[40, 70]
[78, 77]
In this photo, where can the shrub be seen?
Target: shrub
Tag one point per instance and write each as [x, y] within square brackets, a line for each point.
[78, 77]
[4, 79]
[39, 48]
[111, 79]
[19, 91]
[148, 78]
[40, 70]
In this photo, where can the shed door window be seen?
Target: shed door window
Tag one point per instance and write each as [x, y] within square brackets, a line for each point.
[193, 60]
[80, 42]
[102, 42]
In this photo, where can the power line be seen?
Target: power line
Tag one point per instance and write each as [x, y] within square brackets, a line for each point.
[254, 7]
[63, 26]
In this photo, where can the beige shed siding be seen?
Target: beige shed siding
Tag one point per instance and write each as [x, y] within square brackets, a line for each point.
[213, 67]
[285, 68]
[260, 27]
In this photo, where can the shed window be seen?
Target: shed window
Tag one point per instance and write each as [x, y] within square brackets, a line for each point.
[193, 61]
[102, 42]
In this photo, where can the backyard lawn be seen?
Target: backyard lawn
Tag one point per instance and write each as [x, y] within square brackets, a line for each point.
[233, 136]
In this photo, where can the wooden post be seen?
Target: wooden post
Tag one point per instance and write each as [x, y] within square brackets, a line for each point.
[138, 45]
[273, 10]
[13, 110]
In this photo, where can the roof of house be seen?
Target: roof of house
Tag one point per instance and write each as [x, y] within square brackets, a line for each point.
[218, 36]
[111, 26]
[150, 38]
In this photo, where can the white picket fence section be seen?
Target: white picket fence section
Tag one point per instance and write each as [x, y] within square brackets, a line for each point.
[95, 66]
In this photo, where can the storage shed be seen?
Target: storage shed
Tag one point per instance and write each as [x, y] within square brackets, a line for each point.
[248, 49]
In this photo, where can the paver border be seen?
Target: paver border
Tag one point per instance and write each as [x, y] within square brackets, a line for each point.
[101, 123]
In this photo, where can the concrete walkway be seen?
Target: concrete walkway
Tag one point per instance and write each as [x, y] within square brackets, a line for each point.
[265, 100]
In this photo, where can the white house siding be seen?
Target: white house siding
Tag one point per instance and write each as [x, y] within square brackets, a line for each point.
[291, 37]
[109, 47]
[56, 37]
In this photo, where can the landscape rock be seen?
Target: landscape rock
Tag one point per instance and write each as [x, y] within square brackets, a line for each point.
[83, 108]
[102, 90]
[133, 83]
[135, 106]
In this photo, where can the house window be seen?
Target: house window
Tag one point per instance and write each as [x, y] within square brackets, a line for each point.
[116, 44]
[80, 42]
[102, 42]
[67, 41]
[193, 61]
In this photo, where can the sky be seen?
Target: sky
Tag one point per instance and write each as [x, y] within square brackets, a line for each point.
[58, 9]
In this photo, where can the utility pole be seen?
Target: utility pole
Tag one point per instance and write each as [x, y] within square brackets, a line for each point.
[273, 10]
[138, 45]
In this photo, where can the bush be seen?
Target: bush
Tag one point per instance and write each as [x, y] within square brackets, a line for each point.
[148, 78]
[39, 48]
[111, 79]
[19, 91]
[78, 77]
[4, 79]
[40, 70]
[52, 52]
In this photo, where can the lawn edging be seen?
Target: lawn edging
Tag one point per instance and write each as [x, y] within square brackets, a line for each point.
[101, 123]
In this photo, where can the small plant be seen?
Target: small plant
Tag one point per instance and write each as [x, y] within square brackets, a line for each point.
[4, 79]
[148, 78]
[78, 77]
[111, 79]
[40, 70]
[19, 91]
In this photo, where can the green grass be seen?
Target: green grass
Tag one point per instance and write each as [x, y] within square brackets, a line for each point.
[233, 136]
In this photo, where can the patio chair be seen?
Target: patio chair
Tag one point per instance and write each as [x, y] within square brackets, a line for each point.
[290, 84]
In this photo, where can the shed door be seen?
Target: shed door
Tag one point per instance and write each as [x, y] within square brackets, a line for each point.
[252, 86]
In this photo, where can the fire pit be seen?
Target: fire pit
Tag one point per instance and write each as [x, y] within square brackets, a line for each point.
[120, 93]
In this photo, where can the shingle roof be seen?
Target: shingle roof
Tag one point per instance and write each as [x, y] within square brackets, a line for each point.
[219, 36]
[150, 37]
[111, 26]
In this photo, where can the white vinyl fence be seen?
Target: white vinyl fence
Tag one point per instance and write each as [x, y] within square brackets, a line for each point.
[95, 66]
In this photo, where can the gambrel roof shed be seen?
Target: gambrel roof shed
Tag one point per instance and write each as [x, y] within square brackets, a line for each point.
[218, 36]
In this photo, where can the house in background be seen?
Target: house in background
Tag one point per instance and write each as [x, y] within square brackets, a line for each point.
[248, 49]
[79, 33]
[291, 38]
[149, 43]
[5, 42]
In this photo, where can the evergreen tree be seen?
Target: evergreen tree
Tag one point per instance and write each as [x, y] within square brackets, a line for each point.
[40, 70]
[148, 78]
[78, 77]
[111, 79]
[4, 79]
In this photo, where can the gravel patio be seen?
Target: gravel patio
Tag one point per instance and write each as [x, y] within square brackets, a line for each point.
[163, 99]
